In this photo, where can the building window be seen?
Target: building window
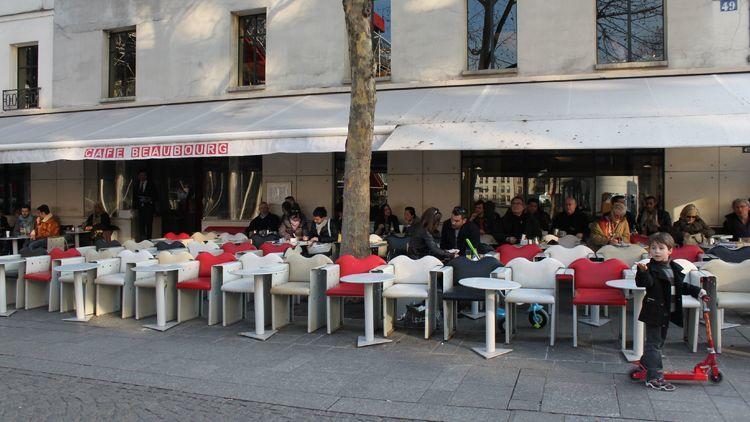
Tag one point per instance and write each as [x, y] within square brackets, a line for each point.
[252, 50]
[122, 64]
[491, 34]
[26, 94]
[381, 37]
[630, 31]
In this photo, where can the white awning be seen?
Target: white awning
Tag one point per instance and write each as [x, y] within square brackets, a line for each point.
[658, 112]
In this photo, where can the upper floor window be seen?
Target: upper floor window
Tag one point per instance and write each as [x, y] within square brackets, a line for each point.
[26, 94]
[491, 34]
[630, 30]
[252, 50]
[381, 37]
[122, 64]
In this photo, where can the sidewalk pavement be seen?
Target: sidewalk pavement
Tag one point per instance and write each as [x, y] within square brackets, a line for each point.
[129, 372]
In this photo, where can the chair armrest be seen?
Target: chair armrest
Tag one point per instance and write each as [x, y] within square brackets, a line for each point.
[225, 272]
[114, 250]
[331, 274]
[282, 277]
[69, 261]
[188, 270]
[145, 263]
[442, 274]
[11, 267]
[83, 249]
[503, 273]
[707, 257]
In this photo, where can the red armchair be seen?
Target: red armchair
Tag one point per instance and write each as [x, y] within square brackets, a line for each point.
[235, 248]
[180, 236]
[337, 290]
[510, 252]
[270, 247]
[41, 287]
[691, 253]
[589, 288]
[190, 292]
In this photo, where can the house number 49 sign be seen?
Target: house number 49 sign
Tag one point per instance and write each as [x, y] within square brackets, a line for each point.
[728, 5]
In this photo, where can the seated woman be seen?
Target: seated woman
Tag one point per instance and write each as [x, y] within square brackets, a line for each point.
[292, 226]
[322, 233]
[690, 229]
[385, 222]
[611, 229]
[424, 238]
[98, 223]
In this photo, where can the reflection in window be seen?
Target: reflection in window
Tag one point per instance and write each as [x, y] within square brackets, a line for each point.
[630, 30]
[252, 49]
[381, 37]
[107, 182]
[14, 187]
[491, 34]
[122, 64]
[378, 180]
[231, 187]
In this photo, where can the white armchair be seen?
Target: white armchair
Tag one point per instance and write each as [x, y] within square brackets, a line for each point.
[414, 279]
[538, 285]
[628, 254]
[197, 247]
[235, 289]
[303, 281]
[11, 282]
[730, 291]
[565, 255]
[67, 292]
[115, 282]
[233, 238]
[134, 246]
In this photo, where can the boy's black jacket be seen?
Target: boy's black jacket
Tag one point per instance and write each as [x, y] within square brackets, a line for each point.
[656, 304]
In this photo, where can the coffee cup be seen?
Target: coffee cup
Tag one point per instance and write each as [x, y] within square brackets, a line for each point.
[7, 233]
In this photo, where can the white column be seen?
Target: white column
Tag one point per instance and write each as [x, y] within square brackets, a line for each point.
[489, 308]
[369, 323]
[260, 321]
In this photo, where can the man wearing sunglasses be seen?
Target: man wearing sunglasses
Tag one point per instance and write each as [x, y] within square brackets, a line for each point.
[457, 230]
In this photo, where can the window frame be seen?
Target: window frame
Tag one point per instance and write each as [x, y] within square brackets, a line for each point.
[108, 80]
[632, 64]
[467, 70]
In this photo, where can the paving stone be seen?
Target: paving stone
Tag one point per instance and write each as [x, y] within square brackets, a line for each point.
[524, 416]
[583, 399]
[482, 396]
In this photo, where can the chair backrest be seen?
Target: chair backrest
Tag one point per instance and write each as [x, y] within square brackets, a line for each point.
[234, 248]
[731, 255]
[511, 252]
[688, 269]
[199, 237]
[176, 236]
[594, 275]
[131, 245]
[127, 257]
[93, 256]
[688, 252]
[629, 254]
[535, 275]
[254, 261]
[55, 243]
[569, 241]
[464, 267]
[568, 255]
[348, 264]
[237, 237]
[165, 246]
[58, 253]
[397, 245]
[197, 247]
[638, 239]
[730, 276]
[208, 260]
[375, 238]
[269, 248]
[166, 257]
[413, 271]
[300, 266]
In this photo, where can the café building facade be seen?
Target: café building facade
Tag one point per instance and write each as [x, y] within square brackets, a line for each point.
[227, 103]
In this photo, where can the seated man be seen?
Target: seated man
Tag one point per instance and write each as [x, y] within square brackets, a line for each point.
[517, 222]
[738, 223]
[572, 221]
[533, 207]
[265, 220]
[457, 230]
[651, 219]
[24, 222]
[46, 226]
[410, 220]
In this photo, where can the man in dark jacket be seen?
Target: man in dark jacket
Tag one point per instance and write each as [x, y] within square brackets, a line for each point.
[738, 223]
[651, 219]
[659, 305]
[517, 222]
[457, 230]
[533, 207]
[265, 220]
[145, 203]
[572, 221]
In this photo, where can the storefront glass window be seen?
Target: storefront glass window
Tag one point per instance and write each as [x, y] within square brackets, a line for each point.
[378, 180]
[231, 187]
[491, 34]
[14, 187]
[630, 30]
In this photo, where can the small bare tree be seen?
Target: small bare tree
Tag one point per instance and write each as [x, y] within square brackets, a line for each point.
[356, 218]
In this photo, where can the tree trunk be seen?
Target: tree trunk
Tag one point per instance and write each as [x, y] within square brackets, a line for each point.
[356, 218]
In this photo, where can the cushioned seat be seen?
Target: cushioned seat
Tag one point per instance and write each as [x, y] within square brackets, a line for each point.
[609, 297]
[148, 282]
[347, 289]
[404, 290]
[67, 278]
[527, 295]
[295, 288]
[242, 285]
[459, 292]
[43, 277]
[733, 300]
[200, 283]
[117, 279]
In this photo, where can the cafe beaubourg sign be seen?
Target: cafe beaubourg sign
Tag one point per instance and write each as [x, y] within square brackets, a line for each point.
[135, 152]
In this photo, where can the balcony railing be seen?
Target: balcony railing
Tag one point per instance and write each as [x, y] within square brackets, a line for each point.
[19, 99]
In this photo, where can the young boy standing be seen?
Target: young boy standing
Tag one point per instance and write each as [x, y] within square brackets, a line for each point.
[665, 284]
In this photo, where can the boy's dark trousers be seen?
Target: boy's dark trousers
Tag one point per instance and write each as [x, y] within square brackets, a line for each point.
[651, 359]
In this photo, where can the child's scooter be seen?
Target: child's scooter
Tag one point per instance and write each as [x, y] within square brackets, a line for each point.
[538, 316]
[707, 369]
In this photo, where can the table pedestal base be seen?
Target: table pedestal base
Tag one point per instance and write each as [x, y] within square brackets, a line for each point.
[630, 355]
[474, 313]
[489, 355]
[362, 341]
[85, 318]
[7, 313]
[594, 319]
[262, 337]
[158, 327]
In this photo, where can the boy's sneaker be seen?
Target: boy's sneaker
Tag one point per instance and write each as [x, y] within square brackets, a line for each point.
[660, 384]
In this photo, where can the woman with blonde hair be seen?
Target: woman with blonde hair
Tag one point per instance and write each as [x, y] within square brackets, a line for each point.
[690, 229]
[611, 229]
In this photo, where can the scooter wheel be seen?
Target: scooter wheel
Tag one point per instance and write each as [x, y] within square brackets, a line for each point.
[538, 319]
[716, 378]
[633, 374]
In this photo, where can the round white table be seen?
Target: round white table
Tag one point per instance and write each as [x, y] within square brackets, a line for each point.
[4, 312]
[369, 279]
[262, 278]
[626, 284]
[490, 287]
[160, 271]
[14, 240]
[83, 312]
[77, 235]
